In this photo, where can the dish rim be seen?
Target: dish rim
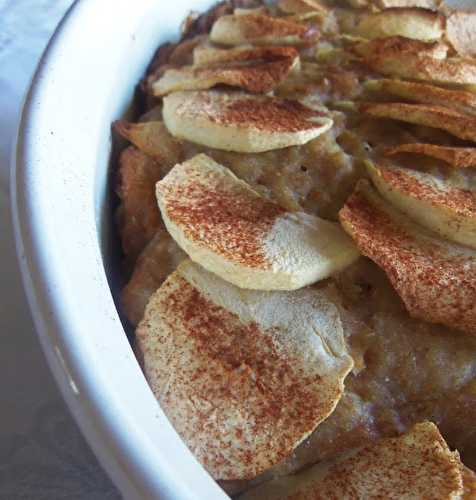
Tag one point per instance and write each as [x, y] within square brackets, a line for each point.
[120, 421]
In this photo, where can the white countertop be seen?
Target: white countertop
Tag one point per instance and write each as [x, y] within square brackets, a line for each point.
[42, 453]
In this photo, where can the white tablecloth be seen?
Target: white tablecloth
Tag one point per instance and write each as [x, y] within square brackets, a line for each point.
[42, 453]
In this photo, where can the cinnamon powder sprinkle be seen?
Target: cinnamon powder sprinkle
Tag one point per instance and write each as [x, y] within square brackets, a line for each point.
[259, 77]
[257, 26]
[271, 114]
[264, 54]
[435, 279]
[232, 225]
[461, 201]
[250, 112]
[416, 465]
[235, 392]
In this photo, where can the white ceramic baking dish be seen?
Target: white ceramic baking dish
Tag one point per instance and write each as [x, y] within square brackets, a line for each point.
[60, 202]
[84, 81]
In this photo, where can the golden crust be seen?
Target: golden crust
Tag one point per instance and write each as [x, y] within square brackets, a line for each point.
[461, 32]
[210, 56]
[155, 263]
[140, 216]
[435, 279]
[217, 210]
[456, 157]
[460, 100]
[244, 237]
[417, 464]
[469, 483]
[457, 124]
[148, 275]
[153, 139]
[413, 59]
[239, 374]
[259, 76]
[414, 183]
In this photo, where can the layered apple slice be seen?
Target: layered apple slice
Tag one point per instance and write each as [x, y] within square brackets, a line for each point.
[244, 376]
[429, 201]
[241, 122]
[257, 70]
[415, 465]
[207, 55]
[245, 238]
[435, 278]
[459, 100]
[260, 29]
[454, 122]
[416, 60]
[153, 139]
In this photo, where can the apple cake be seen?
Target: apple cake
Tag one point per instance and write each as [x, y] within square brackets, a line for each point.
[297, 214]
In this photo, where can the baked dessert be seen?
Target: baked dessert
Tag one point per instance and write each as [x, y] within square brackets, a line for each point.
[418, 464]
[298, 222]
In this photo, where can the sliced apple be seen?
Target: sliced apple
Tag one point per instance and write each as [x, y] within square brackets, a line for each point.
[454, 122]
[152, 138]
[419, 24]
[435, 278]
[415, 60]
[244, 376]
[429, 201]
[260, 29]
[258, 76]
[399, 48]
[139, 218]
[418, 464]
[389, 4]
[248, 240]
[211, 56]
[424, 4]
[302, 6]
[454, 156]
[240, 122]
[461, 32]
[459, 100]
